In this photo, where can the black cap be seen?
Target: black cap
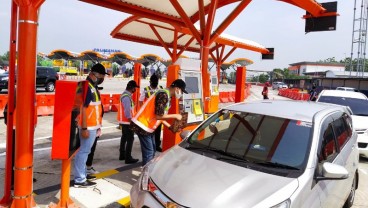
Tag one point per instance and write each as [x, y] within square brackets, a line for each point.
[99, 68]
[154, 78]
[179, 83]
[132, 84]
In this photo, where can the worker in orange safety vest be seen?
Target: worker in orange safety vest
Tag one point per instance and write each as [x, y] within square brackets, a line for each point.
[146, 93]
[152, 114]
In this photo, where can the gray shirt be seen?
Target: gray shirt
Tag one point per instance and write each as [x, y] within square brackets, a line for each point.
[127, 104]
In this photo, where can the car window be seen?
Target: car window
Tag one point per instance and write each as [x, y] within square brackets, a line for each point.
[342, 130]
[328, 150]
[41, 70]
[358, 106]
[255, 137]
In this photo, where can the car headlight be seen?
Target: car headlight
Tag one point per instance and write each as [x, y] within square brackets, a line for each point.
[148, 185]
[145, 176]
[284, 204]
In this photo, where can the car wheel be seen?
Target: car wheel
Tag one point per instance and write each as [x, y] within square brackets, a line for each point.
[350, 200]
[50, 87]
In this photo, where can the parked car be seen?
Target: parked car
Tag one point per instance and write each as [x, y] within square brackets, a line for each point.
[4, 77]
[279, 85]
[358, 103]
[347, 89]
[260, 154]
[45, 78]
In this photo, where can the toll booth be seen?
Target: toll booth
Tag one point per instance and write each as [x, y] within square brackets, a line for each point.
[191, 103]
[69, 98]
[215, 94]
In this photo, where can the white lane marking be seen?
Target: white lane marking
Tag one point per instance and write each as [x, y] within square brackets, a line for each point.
[3, 145]
[363, 171]
[48, 148]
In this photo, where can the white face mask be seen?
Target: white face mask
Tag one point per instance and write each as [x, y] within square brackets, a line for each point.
[178, 94]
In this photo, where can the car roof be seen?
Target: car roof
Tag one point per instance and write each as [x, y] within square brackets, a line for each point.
[350, 88]
[339, 93]
[295, 110]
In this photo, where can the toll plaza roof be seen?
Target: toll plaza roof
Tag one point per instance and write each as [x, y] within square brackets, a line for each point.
[163, 10]
[120, 58]
[147, 59]
[92, 56]
[242, 61]
[152, 32]
[62, 54]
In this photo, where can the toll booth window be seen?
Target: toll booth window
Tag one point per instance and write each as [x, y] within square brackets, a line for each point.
[192, 84]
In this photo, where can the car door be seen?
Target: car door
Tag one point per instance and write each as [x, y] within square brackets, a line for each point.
[334, 135]
[347, 157]
[41, 76]
[327, 152]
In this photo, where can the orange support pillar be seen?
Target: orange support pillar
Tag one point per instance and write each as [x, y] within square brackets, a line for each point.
[6, 200]
[26, 76]
[169, 138]
[205, 79]
[240, 84]
[137, 78]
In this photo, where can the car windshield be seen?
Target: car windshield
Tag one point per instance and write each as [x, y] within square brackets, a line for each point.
[253, 139]
[358, 106]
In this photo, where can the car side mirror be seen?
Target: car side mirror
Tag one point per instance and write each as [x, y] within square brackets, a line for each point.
[333, 172]
[184, 134]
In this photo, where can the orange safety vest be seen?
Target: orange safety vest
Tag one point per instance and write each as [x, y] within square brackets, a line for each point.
[93, 111]
[146, 119]
[122, 119]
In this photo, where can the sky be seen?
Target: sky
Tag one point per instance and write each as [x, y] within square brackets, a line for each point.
[77, 26]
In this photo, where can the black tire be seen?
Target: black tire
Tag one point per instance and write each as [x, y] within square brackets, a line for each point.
[50, 86]
[350, 200]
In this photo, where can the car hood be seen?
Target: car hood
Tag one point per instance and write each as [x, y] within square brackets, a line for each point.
[360, 122]
[193, 180]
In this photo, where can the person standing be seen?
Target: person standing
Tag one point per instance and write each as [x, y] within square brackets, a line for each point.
[265, 91]
[126, 111]
[147, 92]
[90, 169]
[89, 124]
[152, 114]
[313, 93]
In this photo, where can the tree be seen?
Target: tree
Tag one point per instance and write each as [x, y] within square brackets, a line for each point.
[263, 78]
[5, 57]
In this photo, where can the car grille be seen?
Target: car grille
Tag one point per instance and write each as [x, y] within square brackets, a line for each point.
[362, 145]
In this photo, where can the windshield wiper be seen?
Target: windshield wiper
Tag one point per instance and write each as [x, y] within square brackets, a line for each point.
[276, 165]
[219, 154]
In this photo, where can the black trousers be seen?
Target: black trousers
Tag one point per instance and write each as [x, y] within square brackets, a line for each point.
[92, 153]
[158, 136]
[126, 141]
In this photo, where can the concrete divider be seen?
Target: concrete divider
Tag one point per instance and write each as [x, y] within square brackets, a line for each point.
[106, 102]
